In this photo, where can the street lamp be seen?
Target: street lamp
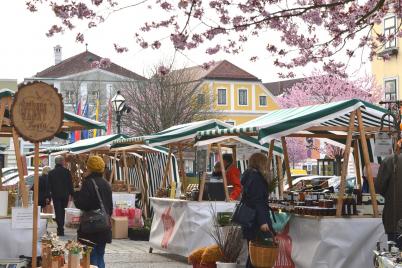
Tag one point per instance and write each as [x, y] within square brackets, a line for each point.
[119, 107]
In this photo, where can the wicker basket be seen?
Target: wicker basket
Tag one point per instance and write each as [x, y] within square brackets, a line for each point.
[263, 256]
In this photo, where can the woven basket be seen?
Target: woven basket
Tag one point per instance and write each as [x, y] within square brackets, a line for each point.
[263, 256]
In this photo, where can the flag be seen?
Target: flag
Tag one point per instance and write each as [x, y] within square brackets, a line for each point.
[85, 113]
[109, 119]
[96, 116]
[77, 133]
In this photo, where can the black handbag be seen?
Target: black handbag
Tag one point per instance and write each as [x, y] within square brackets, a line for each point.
[97, 220]
[244, 215]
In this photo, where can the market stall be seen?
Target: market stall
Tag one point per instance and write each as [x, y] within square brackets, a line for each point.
[35, 118]
[326, 213]
[180, 226]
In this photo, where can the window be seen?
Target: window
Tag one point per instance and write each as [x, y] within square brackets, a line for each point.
[243, 97]
[231, 122]
[390, 29]
[109, 91]
[201, 99]
[263, 100]
[390, 87]
[222, 96]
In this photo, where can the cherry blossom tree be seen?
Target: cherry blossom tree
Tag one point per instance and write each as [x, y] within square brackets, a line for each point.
[323, 88]
[297, 150]
[310, 31]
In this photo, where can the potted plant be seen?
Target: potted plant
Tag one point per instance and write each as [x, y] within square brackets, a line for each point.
[229, 241]
[57, 257]
[86, 255]
[74, 249]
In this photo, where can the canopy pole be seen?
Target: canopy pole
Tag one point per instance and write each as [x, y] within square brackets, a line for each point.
[167, 169]
[270, 154]
[357, 163]
[182, 169]
[125, 171]
[35, 206]
[280, 175]
[286, 159]
[204, 175]
[367, 163]
[225, 182]
[345, 165]
[145, 181]
[140, 166]
[114, 169]
[20, 167]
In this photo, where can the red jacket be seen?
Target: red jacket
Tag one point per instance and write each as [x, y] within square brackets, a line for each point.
[233, 178]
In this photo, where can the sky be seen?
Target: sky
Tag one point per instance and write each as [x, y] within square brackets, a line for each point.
[25, 49]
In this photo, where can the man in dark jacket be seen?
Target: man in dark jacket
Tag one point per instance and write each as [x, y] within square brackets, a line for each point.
[61, 189]
[389, 185]
[86, 200]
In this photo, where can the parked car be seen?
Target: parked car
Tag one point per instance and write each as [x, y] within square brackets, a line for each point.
[304, 181]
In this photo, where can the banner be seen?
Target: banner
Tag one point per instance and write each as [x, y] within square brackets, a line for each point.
[180, 226]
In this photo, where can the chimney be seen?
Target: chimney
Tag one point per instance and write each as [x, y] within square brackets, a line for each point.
[57, 54]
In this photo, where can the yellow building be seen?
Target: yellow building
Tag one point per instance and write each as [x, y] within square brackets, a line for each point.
[387, 72]
[237, 95]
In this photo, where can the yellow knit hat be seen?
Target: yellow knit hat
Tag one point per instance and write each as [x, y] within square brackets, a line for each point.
[96, 164]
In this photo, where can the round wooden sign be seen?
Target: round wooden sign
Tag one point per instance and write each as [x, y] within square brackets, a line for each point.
[37, 112]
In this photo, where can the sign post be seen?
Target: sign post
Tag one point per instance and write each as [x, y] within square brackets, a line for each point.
[37, 115]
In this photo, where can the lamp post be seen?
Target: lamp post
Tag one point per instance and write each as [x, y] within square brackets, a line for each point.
[119, 106]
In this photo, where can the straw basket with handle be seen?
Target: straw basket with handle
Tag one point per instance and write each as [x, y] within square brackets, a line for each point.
[262, 256]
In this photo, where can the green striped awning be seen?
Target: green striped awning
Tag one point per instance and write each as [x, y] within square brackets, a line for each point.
[5, 92]
[280, 123]
[176, 133]
[87, 145]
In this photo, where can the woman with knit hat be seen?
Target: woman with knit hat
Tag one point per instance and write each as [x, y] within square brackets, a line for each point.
[86, 200]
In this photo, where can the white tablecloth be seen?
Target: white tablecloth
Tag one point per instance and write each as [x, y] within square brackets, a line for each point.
[16, 242]
[180, 226]
[386, 262]
[334, 242]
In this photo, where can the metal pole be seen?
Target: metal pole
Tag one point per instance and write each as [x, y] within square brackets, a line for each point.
[118, 122]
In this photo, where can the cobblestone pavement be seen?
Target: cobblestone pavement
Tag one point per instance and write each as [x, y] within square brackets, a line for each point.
[124, 253]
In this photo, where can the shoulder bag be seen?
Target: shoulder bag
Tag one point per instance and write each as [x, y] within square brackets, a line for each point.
[97, 220]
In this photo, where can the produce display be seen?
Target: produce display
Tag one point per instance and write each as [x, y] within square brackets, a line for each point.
[316, 204]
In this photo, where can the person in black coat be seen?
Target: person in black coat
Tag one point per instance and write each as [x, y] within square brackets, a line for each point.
[61, 189]
[44, 190]
[86, 200]
[255, 195]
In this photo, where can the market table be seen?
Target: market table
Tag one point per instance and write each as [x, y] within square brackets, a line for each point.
[385, 260]
[329, 242]
[180, 226]
[17, 242]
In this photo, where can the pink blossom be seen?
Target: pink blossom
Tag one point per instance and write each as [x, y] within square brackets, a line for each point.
[213, 50]
[95, 64]
[179, 40]
[156, 44]
[162, 70]
[183, 4]
[53, 30]
[120, 49]
[105, 63]
[144, 44]
[166, 6]
[97, 2]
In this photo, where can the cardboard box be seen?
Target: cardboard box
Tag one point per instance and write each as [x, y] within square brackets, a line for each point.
[119, 227]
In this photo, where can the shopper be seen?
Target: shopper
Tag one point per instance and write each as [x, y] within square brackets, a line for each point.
[255, 195]
[44, 190]
[232, 176]
[61, 189]
[87, 199]
[389, 185]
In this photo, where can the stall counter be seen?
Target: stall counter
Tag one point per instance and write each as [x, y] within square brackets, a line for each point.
[17, 242]
[181, 226]
[330, 242]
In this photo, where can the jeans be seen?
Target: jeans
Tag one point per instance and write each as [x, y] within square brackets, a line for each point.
[59, 208]
[394, 237]
[97, 255]
[248, 263]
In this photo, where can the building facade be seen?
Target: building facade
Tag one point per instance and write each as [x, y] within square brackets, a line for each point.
[387, 66]
[237, 96]
[86, 81]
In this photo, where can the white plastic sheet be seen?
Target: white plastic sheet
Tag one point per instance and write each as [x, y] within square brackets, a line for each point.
[16, 242]
[334, 242]
[180, 226]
